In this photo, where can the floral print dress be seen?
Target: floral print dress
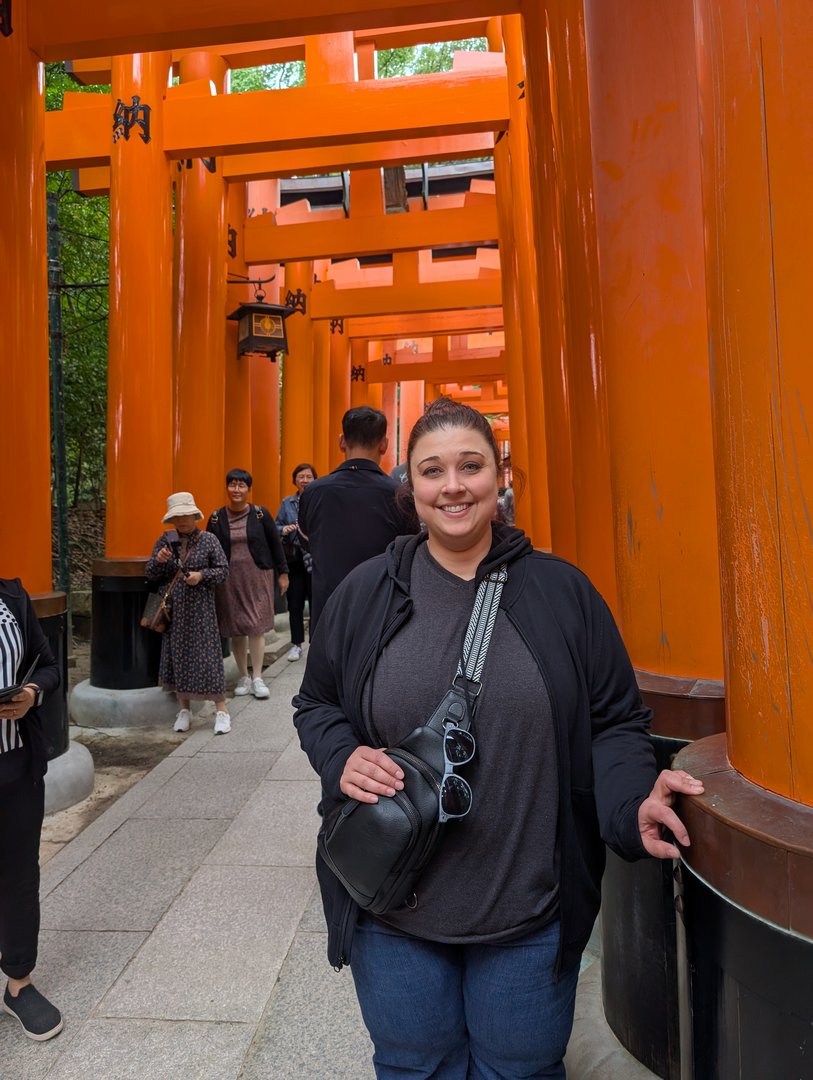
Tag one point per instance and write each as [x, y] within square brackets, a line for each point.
[191, 652]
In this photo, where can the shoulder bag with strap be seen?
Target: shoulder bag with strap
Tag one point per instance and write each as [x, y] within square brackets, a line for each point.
[379, 850]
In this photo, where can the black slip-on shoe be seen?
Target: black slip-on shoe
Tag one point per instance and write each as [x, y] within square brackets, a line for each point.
[40, 1019]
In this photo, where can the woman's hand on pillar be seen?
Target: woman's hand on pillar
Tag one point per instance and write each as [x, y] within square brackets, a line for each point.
[656, 812]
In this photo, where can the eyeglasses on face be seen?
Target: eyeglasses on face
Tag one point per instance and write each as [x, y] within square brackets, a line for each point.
[455, 793]
[241, 484]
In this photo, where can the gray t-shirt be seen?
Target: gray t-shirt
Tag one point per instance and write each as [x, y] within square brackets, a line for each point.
[495, 875]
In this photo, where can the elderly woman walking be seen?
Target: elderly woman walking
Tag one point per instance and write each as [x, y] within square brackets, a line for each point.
[191, 654]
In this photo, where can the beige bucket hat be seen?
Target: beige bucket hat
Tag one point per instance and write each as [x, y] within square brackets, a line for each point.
[179, 504]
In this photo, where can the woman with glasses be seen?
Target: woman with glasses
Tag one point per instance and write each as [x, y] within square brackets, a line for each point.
[475, 975]
[245, 602]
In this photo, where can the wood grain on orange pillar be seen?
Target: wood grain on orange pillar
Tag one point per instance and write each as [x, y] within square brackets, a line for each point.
[297, 377]
[359, 354]
[339, 389]
[546, 190]
[237, 434]
[516, 357]
[262, 197]
[200, 340]
[646, 146]
[25, 447]
[757, 157]
[139, 374]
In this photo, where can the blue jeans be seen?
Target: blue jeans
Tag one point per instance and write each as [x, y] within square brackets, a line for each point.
[463, 1012]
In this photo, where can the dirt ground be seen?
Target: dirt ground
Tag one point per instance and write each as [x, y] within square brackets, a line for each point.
[120, 757]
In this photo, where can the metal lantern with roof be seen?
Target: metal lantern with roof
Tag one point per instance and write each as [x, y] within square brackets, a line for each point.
[261, 326]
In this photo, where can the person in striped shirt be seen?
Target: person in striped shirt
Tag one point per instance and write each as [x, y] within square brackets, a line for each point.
[24, 655]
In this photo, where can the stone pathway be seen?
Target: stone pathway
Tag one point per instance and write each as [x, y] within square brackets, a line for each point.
[182, 933]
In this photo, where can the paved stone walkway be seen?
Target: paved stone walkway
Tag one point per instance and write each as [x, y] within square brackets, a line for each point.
[182, 933]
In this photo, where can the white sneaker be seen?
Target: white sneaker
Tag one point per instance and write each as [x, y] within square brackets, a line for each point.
[295, 653]
[183, 720]
[243, 686]
[259, 689]
[222, 723]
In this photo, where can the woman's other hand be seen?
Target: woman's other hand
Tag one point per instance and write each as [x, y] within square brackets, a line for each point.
[287, 529]
[194, 577]
[163, 556]
[19, 704]
[656, 811]
[283, 584]
[369, 773]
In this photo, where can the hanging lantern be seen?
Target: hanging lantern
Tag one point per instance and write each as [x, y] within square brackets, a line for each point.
[261, 327]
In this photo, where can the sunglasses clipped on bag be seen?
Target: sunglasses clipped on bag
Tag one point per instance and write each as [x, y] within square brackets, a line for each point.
[455, 794]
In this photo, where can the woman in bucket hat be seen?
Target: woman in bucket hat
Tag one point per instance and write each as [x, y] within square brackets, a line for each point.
[191, 653]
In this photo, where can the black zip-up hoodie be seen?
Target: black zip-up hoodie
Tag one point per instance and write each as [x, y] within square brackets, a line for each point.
[606, 762]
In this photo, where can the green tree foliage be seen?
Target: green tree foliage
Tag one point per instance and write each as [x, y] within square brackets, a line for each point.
[268, 77]
[83, 226]
[425, 59]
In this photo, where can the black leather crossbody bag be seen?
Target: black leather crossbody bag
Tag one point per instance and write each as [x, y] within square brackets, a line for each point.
[379, 850]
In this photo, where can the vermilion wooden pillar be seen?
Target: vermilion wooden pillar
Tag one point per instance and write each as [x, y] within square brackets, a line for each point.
[25, 450]
[359, 354]
[758, 168]
[655, 339]
[237, 434]
[297, 377]
[321, 395]
[586, 376]
[339, 390]
[749, 876]
[532, 504]
[409, 411]
[263, 198]
[389, 406]
[139, 404]
[516, 358]
[200, 363]
[547, 187]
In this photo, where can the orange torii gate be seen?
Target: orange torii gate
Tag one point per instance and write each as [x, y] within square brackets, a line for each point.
[610, 158]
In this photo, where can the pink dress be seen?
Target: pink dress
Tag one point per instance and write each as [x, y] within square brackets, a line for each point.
[245, 601]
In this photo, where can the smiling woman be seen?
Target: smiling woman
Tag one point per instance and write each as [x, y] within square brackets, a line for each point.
[454, 476]
[559, 761]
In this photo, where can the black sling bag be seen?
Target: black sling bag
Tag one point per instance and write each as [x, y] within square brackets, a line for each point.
[379, 850]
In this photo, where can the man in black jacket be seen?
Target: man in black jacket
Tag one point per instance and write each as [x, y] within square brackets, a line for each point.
[350, 515]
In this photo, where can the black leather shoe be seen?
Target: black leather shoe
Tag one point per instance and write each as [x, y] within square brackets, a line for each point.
[40, 1019]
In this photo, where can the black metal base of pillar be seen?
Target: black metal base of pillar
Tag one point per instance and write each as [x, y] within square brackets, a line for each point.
[752, 992]
[52, 613]
[123, 655]
[638, 955]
